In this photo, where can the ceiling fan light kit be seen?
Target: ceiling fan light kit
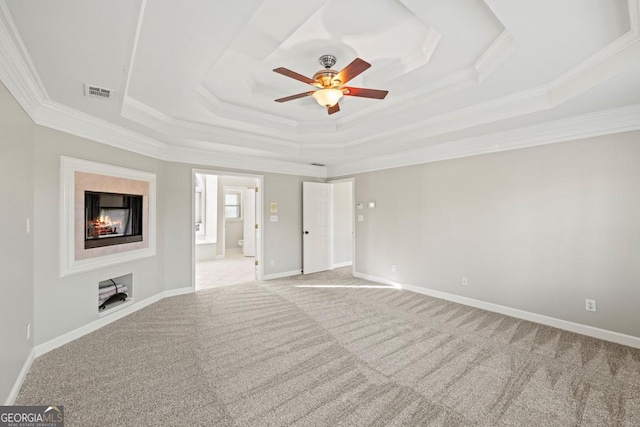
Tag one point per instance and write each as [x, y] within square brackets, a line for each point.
[330, 83]
[327, 97]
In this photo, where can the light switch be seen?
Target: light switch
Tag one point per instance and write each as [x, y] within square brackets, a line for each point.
[372, 205]
[360, 205]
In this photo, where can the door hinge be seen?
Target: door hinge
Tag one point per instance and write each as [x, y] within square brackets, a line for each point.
[256, 262]
[256, 189]
[256, 226]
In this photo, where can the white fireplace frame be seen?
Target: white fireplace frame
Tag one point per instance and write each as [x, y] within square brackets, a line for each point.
[69, 265]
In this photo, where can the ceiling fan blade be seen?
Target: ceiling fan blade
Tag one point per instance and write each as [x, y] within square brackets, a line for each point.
[352, 70]
[294, 75]
[333, 109]
[296, 96]
[365, 93]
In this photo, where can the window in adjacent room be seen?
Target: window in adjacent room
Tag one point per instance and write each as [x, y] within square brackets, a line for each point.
[233, 205]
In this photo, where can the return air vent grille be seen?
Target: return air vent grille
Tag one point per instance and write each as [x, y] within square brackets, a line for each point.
[97, 92]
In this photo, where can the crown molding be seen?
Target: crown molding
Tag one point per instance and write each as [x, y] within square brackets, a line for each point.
[221, 139]
[142, 113]
[134, 49]
[617, 120]
[251, 164]
[498, 52]
[418, 58]
[225, 112]
[253, 147]
[65, 119]
[60, 117]
[501, 48]
[17, 71]
[264, 139]
[21, 78]
[234, 117]
[599, 67]
[509, 106]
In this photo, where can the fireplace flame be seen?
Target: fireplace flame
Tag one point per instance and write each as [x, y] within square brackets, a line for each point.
[103, 226]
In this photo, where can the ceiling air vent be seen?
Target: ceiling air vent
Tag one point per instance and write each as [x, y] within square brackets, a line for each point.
[97, 92]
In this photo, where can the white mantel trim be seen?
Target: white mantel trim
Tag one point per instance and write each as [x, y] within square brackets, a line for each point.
[68, 167]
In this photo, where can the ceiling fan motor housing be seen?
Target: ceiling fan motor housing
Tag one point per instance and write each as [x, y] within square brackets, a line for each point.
[325, 78]
[327, 61]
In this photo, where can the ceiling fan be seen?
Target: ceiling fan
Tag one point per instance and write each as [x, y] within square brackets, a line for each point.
[330, 83]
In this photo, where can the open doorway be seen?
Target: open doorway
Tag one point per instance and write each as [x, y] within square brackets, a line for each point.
[227, 228]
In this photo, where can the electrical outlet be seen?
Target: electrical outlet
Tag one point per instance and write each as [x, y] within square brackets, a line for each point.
[464, 281]
[28, 225]
[393, 268]
[590, 305]
[28, 330]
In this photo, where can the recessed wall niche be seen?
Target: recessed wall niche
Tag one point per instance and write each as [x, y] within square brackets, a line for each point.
[115, 291]
[107, 215]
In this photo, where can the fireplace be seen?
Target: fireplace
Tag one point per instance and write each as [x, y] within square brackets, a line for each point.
[112, 219]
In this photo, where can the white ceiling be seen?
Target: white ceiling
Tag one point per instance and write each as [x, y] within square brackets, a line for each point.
[194, 81]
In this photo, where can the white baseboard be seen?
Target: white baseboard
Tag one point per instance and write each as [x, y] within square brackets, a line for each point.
[566, 325]
[377, 279]
[105, 320]
[281, 275]
[177, 292]
[13, 394]
[342, 264]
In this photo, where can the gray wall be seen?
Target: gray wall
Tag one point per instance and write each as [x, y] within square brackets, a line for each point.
[282, 239]
[64, 304]
[537, 229]
[32, 289]
[16, 246]
[232, 233]
[342, 224]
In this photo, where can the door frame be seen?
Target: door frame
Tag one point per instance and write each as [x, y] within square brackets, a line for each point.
[259, 218]
[352, 180]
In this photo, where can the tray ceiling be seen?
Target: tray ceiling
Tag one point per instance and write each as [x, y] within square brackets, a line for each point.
[196, 83]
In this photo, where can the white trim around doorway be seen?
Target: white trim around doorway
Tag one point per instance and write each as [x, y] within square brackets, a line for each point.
[259, 218]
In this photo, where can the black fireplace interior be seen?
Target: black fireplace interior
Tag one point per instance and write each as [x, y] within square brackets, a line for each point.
[112, 219]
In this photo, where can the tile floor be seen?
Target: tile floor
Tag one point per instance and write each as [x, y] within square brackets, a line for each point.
[234, 269]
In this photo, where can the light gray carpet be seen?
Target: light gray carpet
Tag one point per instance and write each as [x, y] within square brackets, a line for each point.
[272, 353]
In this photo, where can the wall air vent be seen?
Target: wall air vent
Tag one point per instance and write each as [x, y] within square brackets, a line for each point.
[97, 92]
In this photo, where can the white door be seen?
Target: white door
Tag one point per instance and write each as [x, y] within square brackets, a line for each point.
[249, 218]
[316, 211]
